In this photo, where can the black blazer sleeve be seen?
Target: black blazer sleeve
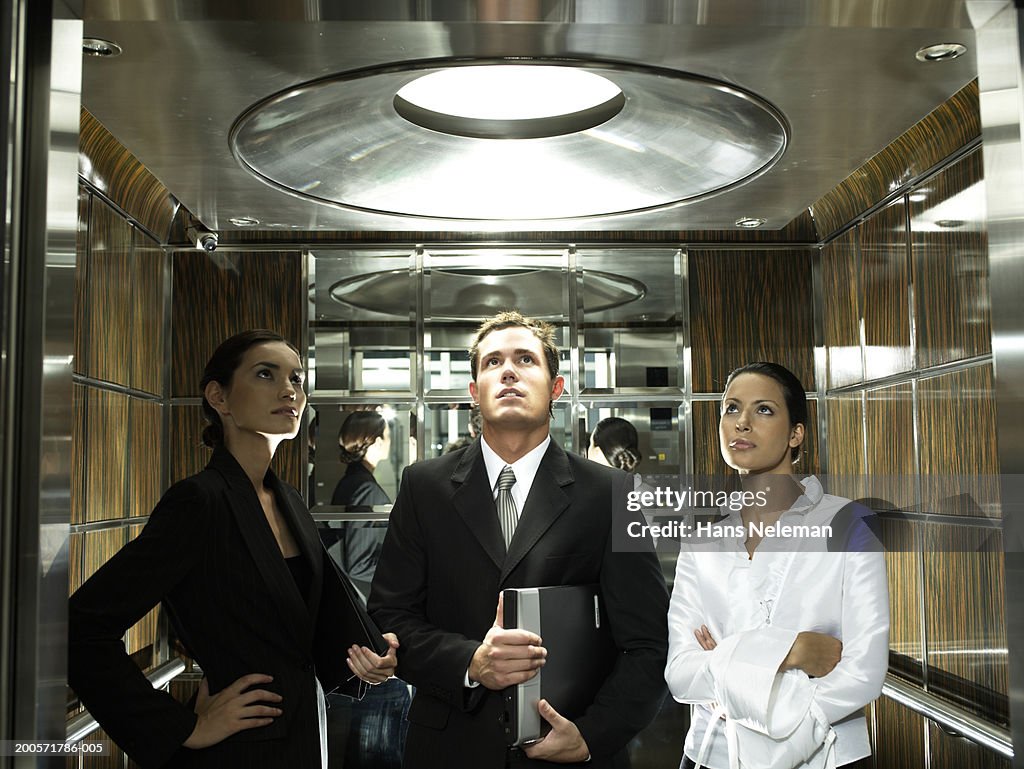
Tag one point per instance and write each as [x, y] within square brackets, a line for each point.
[148, 724]
[636, 600]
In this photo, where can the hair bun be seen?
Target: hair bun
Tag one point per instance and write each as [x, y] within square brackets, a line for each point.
[213, 435]
[625, 459]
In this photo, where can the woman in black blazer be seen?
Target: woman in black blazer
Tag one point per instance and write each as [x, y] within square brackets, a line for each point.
[235, 558]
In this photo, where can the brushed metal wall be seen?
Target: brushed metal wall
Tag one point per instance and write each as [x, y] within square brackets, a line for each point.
[1001, 80]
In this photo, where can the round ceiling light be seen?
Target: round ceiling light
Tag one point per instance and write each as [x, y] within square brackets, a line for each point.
[509, 101]
[470, 293]
[750, 222]
[647, 138]
[941, 52]
[95, 46]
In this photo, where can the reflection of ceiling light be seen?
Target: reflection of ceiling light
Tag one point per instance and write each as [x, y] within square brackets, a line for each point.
[749, 222]
[457, 293]
[94, 46]
[244, 221]
[950, 224]
[941, 52]
[509, 101]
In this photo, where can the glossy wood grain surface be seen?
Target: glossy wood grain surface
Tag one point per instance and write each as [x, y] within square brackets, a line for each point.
[841, 310]
[107, 165]
[749, 306]
[952, 125]
[951, 274]
[959, 465]
[109, 296]
[217, 295]
[885, 282]
[106, 455]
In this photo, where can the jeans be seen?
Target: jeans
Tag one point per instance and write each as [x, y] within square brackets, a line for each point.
[368, 733]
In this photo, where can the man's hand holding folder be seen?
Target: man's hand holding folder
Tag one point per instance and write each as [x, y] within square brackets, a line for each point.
[506, 657]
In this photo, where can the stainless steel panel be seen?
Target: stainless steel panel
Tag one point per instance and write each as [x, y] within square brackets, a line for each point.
[635, 345]
[843, 75]
[837, 13]
[1001, 81]
[40, 228]
[58, 350]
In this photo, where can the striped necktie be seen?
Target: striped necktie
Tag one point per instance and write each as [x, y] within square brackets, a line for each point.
[508, 516]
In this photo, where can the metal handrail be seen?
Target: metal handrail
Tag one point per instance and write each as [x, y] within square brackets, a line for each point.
[949, 716]
[84, 724]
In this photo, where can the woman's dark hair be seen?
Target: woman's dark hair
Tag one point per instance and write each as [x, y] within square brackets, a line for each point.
[221, 368]
[358, 432]
[792, 392]
[619, 443]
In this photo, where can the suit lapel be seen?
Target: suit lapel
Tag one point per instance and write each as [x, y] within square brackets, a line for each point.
[546, 502]
[258, 539]
[475, 503]
[306, 536]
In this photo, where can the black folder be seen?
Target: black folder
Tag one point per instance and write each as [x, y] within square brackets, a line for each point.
[342, 621]
[573, 627]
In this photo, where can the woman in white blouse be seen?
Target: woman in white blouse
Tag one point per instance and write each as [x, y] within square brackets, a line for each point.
[776, 641]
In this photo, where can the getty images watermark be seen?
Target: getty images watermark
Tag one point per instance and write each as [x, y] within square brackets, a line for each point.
[937, 513]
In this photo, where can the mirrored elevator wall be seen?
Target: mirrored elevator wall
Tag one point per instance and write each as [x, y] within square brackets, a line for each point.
[882, 312]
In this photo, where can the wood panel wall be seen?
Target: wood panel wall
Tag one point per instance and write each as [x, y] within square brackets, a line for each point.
[910, 396]
[951, 126]
[216, 296]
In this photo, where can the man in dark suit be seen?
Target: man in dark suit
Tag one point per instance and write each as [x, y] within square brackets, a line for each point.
[449, 551]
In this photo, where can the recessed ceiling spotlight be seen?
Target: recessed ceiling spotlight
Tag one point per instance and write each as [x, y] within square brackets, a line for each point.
[750, 222]
[95, 46]
[509, 101]
[244, 221]
[941, 52]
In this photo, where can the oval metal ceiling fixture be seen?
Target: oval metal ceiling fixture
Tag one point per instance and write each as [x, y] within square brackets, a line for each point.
[668, 138]
[469, 293]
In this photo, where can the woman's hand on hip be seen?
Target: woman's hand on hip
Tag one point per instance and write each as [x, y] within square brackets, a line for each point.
[371, 667]
[233, 709]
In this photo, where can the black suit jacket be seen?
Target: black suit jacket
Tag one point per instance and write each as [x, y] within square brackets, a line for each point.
[355, 545]
[209, 555]
[437, 583]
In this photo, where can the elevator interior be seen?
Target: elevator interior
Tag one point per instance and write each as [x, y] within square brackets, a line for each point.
[870, 277]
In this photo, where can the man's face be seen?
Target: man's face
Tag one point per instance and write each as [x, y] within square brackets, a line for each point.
[513, 385]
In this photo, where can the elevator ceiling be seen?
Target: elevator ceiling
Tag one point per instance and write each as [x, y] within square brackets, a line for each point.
[813, 90]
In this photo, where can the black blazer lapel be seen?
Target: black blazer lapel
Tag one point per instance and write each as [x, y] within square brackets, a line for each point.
[475, 503]
[546, 502]
[258, 538]
[306, 536]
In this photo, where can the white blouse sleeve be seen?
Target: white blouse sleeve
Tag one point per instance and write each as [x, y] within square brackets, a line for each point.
[858, 678]
[691, 671]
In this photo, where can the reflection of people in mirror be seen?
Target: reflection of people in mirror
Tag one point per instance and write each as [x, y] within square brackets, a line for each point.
[233, 555]
[614, 442]
[364, 440]
[513, 509]
[369, 733]
[779, 649]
